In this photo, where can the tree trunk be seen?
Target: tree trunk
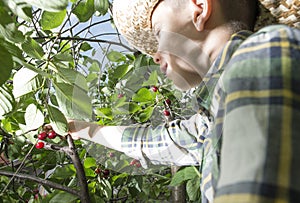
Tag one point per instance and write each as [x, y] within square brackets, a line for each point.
[178, 192]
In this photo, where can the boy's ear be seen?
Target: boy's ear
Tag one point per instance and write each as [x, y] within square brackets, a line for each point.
[201, 12]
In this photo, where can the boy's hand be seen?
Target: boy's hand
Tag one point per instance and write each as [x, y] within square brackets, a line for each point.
[82, 129]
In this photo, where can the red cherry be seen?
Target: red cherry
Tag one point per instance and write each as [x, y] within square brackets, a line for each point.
[36, 196]
[111, 154]
[138, 164]
[166, 113]
[52, 134]
[42, 135]
[120, 96]
[106, 172]
[39, 145]
[154, 89]
[98, 171]
[133, 162]
[168, 102]
[35, 191]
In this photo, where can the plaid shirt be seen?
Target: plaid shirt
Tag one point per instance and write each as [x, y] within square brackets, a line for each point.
[252, 92]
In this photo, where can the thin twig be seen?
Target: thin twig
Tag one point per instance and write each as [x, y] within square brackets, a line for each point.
[41, 181]
[87, 40]
[17, 171]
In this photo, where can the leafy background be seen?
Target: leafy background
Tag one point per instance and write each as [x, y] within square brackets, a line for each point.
[58, 61]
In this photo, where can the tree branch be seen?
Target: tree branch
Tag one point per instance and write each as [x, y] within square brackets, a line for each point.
[84, 193]
[41, 181]
[86, 40]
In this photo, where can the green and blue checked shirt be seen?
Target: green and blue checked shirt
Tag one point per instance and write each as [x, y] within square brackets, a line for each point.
[248, 144]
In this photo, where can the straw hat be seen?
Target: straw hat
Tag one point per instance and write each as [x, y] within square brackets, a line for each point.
[133, 19]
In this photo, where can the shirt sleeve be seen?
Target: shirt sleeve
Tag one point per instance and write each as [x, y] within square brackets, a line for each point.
[260, 147]
[176, 143]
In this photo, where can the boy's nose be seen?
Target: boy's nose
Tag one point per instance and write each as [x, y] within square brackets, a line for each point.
[157, 58]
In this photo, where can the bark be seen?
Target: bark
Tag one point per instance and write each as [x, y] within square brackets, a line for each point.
[178, 192]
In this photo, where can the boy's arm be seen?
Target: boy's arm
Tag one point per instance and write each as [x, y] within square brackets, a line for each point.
[109, 136]
[178, 143]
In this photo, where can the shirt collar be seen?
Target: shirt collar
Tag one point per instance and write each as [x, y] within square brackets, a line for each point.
[205, 90]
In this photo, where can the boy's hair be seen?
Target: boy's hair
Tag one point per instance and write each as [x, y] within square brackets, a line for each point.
[241, 14]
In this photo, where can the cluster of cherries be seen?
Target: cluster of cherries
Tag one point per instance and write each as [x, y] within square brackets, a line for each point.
[102, 172]
[167, 102]
[135, 163]
[51, 134]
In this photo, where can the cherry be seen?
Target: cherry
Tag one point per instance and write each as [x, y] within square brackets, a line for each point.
[39, 145]
[167, 113]
[133, 162]
[36, 191]
[120, 96]
[97, 170]
[168, 102]
[52, 134]
[111, 154]
[36, 196]
[138, 164]
[42, 135]
[154, 89]
[106, 172]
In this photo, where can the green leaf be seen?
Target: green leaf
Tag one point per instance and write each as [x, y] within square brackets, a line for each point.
[104, 113]
[34, 118]
[193, 189]
[57, 120]
[107, 190]
[6, 65]
[52, 20]
[101, 6]
[89, 162]
[25, 81]
[74, 102]
[89, 172]
[152, 81]
[10, 32]
[120, 71]
[133, 107]
[185, 174]
[85, 46]
[146, 114]
[63, 57]
[119, 179]
[5, 18]
[49, 5]
[63, 172]
[19, 8]
[63, 197]
[96, 199]
[84, 10]
[115, 56]
[32, 48]
[31, 67]
[91, 77]
[95, 67]
[143, 95]
[12, 49]
[6, 101]
[73, 77]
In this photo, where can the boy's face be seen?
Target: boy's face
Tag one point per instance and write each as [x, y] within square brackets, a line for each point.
[180, 54]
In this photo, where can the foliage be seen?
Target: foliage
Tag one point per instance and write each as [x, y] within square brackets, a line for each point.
[54, 67]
